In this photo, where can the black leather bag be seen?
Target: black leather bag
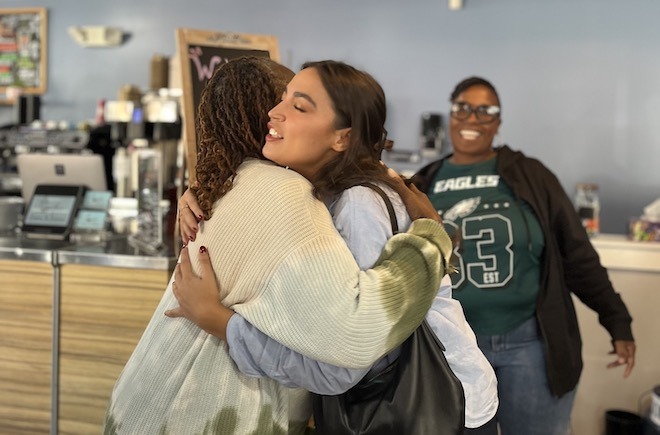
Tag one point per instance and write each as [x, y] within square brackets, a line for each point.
[418, 394]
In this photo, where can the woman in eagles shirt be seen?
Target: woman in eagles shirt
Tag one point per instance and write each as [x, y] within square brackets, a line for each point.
[522, 251]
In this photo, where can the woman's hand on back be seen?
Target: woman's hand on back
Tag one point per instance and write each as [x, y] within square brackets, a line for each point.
[198, 296]
[416, 202]
[190, 216]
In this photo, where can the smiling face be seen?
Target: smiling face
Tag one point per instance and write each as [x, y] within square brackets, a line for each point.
[302, 133]
[472, 139]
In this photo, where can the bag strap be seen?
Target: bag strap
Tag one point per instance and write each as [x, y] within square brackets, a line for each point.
[395, 230]
[388, 204]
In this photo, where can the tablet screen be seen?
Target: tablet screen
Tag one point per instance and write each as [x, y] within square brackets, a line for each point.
[90, 220]
[50, 210]
[96, 200]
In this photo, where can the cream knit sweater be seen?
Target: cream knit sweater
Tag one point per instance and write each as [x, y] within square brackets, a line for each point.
[281, 264]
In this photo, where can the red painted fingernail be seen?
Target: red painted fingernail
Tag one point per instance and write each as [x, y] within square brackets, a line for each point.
[200, 218]
[202, 249]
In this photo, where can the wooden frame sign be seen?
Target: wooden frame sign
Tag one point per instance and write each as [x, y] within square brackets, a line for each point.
[23, 42]
[200, 53]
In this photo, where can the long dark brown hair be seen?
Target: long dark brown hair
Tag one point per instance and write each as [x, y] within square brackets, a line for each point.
[359, 103]
[232, 122]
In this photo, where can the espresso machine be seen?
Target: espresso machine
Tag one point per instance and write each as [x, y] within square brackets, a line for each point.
[17, 139]
[34, 138]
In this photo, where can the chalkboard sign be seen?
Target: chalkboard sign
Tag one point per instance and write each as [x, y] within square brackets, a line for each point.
[23, 50]
[200, 53]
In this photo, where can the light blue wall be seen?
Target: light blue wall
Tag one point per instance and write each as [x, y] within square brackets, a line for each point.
[579, 79]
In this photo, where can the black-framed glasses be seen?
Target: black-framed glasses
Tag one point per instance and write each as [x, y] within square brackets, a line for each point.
[485, 114]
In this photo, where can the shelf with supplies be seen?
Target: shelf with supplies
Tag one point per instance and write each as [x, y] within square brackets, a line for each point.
[42, 138]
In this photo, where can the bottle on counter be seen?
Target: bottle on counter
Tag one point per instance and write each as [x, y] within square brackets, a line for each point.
[587, 205]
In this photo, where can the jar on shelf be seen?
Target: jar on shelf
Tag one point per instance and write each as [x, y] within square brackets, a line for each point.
[587, 205]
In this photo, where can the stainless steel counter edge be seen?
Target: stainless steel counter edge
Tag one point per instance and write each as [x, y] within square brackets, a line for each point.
[116, 260]
[26, 254]
[114, 253]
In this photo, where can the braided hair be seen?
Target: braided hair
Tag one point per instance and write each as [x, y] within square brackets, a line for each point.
[232, 121]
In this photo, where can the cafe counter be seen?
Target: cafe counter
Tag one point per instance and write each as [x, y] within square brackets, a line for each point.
[70, 317]
[634, 269]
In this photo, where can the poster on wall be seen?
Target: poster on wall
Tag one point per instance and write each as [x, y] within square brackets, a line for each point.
[23, 40]
[200, 53]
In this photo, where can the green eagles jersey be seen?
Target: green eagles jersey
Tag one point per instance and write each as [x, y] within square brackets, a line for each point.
[498, 248]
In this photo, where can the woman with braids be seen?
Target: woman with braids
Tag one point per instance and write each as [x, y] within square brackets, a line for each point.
[280, 263]
[328, 100]
[522, 252]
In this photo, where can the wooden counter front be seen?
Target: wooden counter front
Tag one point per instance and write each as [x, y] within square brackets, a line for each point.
[26, 331]
[104, 311]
